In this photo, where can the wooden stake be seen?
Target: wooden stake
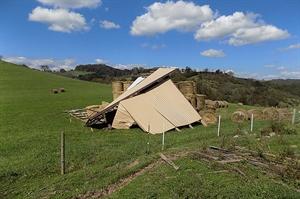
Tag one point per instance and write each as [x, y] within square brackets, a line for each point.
[62, 153]
[251, 122]
[219, 125]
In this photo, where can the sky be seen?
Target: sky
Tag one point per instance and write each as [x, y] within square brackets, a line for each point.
[256, 39]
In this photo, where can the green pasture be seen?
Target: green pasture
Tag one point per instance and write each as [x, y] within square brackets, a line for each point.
[32, 120]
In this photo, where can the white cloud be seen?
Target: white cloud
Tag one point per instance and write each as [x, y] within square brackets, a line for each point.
[154, 47]
[162, 17]
[59, 19]
[144, 45]
[290, 75]
[242, 29]
[100, 61]
[281, 68]
[291, 47]
[108, 25]
[268, 66]
[213, 53]
[258, 34]
[128, 66]
[56, 65]
[72, 3]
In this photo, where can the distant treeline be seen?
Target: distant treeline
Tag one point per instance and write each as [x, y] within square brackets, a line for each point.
[215, 85]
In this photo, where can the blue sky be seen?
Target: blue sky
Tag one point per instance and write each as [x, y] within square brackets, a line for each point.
[254, 39]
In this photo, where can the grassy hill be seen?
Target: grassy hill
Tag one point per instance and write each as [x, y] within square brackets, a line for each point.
[114, 164]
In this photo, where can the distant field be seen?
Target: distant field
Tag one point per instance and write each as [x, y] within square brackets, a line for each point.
[114, 164]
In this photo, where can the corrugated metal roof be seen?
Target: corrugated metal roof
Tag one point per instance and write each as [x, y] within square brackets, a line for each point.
[162, 106]
[150, 80]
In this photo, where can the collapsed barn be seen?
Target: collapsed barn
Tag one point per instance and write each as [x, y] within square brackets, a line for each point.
[154, 104]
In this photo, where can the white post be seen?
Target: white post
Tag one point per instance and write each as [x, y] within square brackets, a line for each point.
[251, 122]
[163, 138]
[219, 125]
[294, 115]
[148, 143]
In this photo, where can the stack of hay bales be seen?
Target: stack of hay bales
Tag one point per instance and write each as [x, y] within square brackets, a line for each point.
[240, 115]
[93, 109]
[118, 88]
[217, 104]
[206, 111]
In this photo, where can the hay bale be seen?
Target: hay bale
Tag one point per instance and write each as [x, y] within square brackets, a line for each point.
[225, 104]
[186, 87]
[208, 117]
[200, 99]
[271, 113]
[239, 116]
[117, 86]
[192, 99]
[93, 109]
[220, 104]
[54, 91]
[126, 85]
[285, 114]
[62, 90]
[210, 103]
[117, 94]
[240, 104]
[257, 114]
[245, 113]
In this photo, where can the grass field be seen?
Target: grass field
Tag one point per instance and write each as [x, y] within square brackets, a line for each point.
[115, 164]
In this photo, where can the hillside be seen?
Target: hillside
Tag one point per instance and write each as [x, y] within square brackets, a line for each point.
[216, 85]
[127, 163]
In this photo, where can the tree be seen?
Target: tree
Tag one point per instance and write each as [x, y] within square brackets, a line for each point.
[62, 70]
[45, 68]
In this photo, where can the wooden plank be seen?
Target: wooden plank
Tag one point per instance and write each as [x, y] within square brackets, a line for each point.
[170, 162]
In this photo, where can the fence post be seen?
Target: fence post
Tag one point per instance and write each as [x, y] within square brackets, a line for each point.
[219, 125]
[251, 122]
[148, 143]
[62, 153]
[163, 138]
[294, 116]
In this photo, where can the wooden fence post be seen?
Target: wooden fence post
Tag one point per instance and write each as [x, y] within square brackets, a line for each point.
[62, 153]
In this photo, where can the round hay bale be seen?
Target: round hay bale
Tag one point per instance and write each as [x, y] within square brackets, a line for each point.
[210, 103]
[200, 101]
[257, 114]
[192, 99]
[245, 113]
[117, 94]
[240, 104]
[62, 90]
[126, 85]
[209, 118]
[54, 91]
[239, 116]
[285, 114]
[225, 104]
[117, 86]
[221, 104]
[271, 113]
[186, 87]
